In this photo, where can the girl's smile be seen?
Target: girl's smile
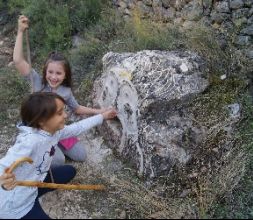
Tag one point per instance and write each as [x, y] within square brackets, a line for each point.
[55, 74]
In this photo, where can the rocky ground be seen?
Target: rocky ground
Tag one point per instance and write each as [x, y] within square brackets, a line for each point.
[98, 169]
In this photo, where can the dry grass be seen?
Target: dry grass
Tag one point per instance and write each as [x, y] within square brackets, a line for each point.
[221, 181]
[145, 203]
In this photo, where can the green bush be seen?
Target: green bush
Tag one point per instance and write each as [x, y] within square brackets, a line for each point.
[52, 23]
[50, 32]
[84, 13]
[2, 4]
[138, 34]
[18, 5]
[86, 59]
[13, 88]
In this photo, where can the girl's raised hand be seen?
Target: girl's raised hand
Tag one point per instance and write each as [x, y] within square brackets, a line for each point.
[23, 23]
[8, 181]
[109, 114]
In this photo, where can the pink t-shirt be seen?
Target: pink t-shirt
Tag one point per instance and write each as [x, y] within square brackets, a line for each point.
[68, 143]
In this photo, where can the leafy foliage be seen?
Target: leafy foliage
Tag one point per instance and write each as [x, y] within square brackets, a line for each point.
[82, 14]
[12, 90]
[52, 23]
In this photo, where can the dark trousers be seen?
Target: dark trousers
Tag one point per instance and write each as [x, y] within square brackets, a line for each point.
[62, 175]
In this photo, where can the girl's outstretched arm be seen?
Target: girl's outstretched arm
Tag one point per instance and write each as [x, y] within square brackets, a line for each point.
[86, 124]
[20, 63]
[82, 110]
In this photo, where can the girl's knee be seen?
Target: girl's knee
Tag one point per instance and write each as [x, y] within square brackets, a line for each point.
[81, 156]
[77, 152]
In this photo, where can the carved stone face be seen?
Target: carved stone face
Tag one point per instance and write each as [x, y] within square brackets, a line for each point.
[146, 88]
[118, 91]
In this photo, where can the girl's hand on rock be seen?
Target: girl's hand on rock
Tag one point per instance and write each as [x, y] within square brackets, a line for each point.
[109, 114]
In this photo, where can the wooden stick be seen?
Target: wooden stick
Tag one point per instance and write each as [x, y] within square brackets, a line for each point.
[60, 186]
[17, 162]
[49, 185]
[28, 49]
[29, 59]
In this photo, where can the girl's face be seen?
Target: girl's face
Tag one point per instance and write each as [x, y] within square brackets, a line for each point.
[55, 74]
[57, 121]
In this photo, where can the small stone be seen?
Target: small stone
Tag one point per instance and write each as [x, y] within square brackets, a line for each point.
[185, 193]
[193, 175]
[123, 215]
[234, 110]
[224, 76]
[184, 68]
[215, 150]
[10, 64]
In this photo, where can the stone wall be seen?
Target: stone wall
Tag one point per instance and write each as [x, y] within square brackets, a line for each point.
[232, 18]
